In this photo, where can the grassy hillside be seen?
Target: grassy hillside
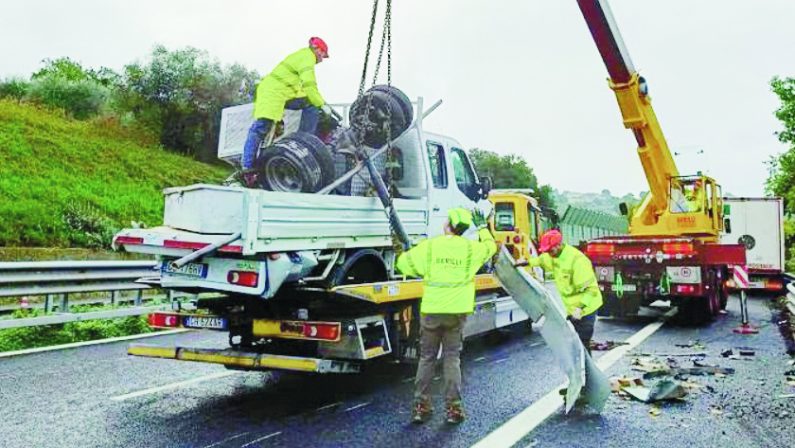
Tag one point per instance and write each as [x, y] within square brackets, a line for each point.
[68, 183]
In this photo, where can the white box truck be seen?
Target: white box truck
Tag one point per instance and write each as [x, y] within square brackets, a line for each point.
[758, 224]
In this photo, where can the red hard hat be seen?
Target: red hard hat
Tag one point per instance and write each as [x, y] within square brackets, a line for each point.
[320, 44]
[549, 240]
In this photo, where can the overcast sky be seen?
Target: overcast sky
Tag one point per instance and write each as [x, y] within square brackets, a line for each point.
[520, 76]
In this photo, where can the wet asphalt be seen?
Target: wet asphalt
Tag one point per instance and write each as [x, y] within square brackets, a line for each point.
[65, 398]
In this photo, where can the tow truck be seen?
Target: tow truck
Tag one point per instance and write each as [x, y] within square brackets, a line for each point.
[305, 281]
[673, 250]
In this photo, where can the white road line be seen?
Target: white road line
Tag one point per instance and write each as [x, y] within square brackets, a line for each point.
[30, 351]
[261, 439]
[220, 442]
[527, 420]
[360, 405]
[328, 406]
[170, 386]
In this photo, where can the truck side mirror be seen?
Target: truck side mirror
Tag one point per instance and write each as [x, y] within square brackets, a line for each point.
[727, 225]
[486, 185]
[622, 207]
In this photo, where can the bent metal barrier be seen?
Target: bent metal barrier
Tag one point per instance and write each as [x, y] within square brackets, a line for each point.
[58, 279]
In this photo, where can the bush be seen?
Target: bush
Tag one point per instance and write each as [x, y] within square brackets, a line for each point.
[80, 99]
[14, 88]
[88, 227]
[89, 330]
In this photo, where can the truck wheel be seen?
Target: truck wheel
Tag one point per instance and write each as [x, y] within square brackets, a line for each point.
[401, 98]
[297, 163]
[698, 310]
[373, 108]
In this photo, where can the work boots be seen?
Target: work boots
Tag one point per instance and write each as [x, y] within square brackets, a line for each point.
[421, 411]
[455, 413]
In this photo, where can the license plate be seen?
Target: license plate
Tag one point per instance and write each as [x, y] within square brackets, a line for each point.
[190, 270]
[625, 288]
[214, 323]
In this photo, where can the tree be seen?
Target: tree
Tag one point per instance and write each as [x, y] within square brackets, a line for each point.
[67, 85]
[180, 94]
[511, 171]
[781, 181]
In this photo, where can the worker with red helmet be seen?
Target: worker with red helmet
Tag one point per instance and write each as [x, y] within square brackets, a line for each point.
[291, 85]
[575, 280]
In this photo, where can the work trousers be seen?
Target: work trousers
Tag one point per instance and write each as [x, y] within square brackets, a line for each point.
[584, 329]
[310, 115]
[445, 331]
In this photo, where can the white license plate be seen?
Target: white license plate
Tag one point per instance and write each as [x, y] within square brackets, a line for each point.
[214, 323]
[190, 270]
[625, 288]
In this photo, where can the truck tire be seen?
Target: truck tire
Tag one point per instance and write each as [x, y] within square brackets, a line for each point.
[299, 162]
[375, 106]
[400, 97]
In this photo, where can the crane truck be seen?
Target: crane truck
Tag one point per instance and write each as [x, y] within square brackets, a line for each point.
[673, 250]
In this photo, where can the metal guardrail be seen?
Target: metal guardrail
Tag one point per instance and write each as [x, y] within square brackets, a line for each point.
[55, 280]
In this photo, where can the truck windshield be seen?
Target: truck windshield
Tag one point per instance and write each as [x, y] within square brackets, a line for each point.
[504, 217]
[687, 195]
[464, 175]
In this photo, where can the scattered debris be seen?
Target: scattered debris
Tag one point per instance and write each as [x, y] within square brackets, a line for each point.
[606, 345]
[786, 396]
[715, 410]
[663, 390]
[655, 411]
[727, 353]
[745, 351]
[692, 344]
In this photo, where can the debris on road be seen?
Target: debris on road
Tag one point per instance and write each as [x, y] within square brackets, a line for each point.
[692, 344]
[786, 396]
[663, 390]
[655, 411]
[606, 345]
[716, 410]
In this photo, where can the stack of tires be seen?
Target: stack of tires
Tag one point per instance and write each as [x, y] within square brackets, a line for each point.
[302, 163]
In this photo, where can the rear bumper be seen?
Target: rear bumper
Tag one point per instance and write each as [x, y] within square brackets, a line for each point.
[244, 360]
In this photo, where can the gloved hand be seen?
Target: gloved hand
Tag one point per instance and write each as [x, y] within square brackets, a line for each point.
[576, 314]
[479, 220]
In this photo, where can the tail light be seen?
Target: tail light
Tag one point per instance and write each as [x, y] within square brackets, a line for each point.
[678, 248]
[774, 285]
[325, 331]
[242, 278]
[600, 249]
[163, 320]
[129, 240]
[686, 289]
[517, 239]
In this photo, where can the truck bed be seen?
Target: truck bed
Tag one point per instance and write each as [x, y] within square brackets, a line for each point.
[276, 221]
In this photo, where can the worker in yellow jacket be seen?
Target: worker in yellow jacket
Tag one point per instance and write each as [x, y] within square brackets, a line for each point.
[575, 280]
[447, 264]
[292, 85]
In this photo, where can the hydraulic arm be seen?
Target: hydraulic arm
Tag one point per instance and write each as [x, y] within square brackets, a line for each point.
[652, 216]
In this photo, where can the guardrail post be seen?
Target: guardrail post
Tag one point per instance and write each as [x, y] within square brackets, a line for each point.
[48, 299]
[113, 298]
[64, 303]
[139, 298]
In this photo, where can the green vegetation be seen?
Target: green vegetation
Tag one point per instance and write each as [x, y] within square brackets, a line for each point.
[782, 167]
[45, 335]
[511, 171]
[66, 182]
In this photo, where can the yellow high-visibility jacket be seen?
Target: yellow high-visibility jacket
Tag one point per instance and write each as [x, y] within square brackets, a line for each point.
[574, 278]
[448, 265]
[294, 77]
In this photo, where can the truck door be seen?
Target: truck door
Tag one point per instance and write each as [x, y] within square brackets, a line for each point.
[439, 197]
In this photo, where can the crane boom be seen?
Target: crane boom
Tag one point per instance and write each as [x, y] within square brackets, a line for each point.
[631, 93]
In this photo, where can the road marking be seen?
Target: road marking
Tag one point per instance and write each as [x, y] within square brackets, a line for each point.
[361, 405]
[512, 431]
[261, 439]
[328, 406]
[176, 385]
[227, 440]
[30, 351]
